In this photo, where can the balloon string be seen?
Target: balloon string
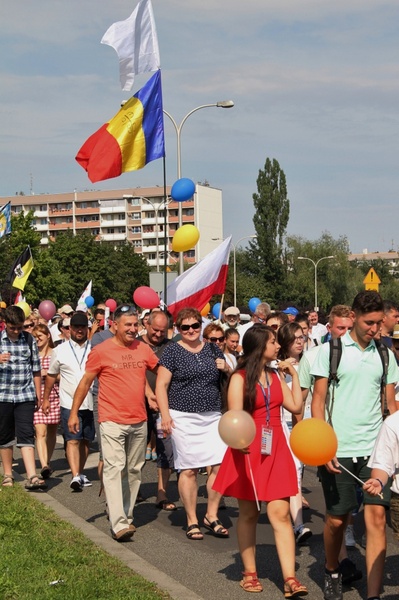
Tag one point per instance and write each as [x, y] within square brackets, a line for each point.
[253, 481]
[357, 478]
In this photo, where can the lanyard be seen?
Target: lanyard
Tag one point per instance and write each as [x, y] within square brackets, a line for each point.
[84, 353]
[266, 398]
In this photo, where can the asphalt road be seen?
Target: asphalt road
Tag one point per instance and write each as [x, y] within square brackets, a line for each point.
[210, 569]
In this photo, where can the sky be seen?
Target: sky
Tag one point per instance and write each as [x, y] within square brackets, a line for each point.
[315, 86]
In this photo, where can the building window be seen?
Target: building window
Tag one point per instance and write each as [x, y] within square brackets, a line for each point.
[136, 216]
[135, 201]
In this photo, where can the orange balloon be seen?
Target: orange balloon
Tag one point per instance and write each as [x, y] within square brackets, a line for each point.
[237, 429]
[206, 310]
[314, 442]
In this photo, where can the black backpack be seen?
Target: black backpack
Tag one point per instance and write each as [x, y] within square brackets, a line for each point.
[333, 379]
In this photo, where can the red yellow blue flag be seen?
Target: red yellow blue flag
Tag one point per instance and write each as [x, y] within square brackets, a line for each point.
[5, 219]
[131, 139]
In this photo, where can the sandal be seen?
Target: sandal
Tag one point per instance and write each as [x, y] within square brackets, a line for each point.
[46, 472]
[216, 527]
[8, 481]
[35, 483]
[166, 505]
[190, 533]
[293, 588]
[252, 584]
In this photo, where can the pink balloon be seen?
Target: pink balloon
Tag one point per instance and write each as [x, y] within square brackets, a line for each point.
[111, 304]
[47, 309]
[237, 429]
[146, 297]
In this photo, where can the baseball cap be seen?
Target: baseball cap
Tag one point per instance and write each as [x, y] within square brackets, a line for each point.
[66, 308]
[395, 333]
[290, 310]
[66, 322]
[232, 310]
[79, 319]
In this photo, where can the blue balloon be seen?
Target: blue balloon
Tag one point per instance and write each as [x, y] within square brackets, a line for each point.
[183, 189]
[216, 310]
[253, 303]
[89, 301]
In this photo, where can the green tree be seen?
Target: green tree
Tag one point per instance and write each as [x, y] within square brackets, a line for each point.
[272, 210]
[338, 281]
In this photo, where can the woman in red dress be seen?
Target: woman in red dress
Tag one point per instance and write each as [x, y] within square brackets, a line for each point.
[261, 391]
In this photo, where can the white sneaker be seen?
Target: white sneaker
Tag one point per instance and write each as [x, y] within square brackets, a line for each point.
[350, 537]
[302, 535]
[76, 484]
[85, 482]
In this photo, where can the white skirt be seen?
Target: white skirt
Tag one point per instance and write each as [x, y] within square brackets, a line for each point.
[195, 439]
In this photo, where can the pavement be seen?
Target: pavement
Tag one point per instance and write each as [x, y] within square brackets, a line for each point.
[209, 569]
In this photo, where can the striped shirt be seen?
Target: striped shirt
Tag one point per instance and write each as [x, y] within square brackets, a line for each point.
[16, 375]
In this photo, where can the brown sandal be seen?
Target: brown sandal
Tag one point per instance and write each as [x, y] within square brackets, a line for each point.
[8, 481]
[293, 588]
[252, 584]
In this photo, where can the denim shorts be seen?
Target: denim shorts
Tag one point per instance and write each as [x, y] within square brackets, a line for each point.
[340, 490]
[86, 425]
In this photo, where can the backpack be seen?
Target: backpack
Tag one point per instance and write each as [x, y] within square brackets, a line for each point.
[333, 379]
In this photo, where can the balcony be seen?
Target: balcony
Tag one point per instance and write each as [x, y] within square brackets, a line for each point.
[113, 237]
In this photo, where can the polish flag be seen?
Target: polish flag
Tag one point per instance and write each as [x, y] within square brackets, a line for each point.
[196, 286]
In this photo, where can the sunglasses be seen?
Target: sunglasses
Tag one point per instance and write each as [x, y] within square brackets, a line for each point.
[274, 326]
[121, 310]
[100, 311]
[194, 326]
[216, 339]
[65, 326]
[29, 325]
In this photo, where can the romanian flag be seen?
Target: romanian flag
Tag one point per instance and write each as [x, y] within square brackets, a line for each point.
[5, 219]
[21, 270]
[131, 139]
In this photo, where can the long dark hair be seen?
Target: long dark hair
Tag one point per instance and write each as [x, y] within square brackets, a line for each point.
[286, 337]
[253, 346]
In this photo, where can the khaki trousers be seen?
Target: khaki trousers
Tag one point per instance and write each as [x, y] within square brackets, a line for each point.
[123, 449]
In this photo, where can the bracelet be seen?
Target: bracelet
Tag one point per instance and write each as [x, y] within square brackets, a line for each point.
[380, 482]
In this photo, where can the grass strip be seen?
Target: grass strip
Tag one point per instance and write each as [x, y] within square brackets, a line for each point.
[38, 548]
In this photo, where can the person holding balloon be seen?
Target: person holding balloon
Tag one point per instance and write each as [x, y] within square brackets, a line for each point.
[188, 396]
[261, 469]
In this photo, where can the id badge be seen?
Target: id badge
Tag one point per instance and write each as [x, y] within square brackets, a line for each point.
[266, 441]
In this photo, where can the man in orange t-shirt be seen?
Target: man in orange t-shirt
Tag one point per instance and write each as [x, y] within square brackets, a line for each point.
[120, 364]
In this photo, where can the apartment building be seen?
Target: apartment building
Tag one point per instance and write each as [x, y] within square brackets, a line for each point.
[139, 216]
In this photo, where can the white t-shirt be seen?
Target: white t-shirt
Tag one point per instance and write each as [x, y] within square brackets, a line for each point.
[69, 361]
[385, 454]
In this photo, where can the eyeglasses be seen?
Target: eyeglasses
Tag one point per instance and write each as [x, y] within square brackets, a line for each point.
[216, 339]
[29, 325]
[194, 326]
[260, 319]
[299, 338]
[121, 310]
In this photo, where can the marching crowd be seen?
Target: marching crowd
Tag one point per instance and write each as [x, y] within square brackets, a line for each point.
[148, 384]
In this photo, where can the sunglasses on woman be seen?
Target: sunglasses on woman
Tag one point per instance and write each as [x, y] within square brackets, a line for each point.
[194, 326]
[216, 339]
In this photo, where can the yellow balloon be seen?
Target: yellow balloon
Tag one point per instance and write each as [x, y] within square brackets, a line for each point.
[185, 238]
[206, 310]
[25, 307]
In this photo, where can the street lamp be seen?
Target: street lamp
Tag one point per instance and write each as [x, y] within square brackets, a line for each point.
[178, 128]
[315, 275]
[246, 237]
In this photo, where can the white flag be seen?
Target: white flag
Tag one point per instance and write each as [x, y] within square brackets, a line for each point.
[196, 286]
[81, 305]
[136, 44]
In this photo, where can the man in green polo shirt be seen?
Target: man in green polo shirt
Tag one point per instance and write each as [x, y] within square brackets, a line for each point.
[356, 415]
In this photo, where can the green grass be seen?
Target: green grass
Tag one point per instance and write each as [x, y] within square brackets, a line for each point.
[37, 547]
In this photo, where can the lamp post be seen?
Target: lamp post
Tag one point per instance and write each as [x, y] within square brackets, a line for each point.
[246, 237]
[315, 264]
[178, 128]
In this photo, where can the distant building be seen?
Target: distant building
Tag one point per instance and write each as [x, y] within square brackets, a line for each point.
[136, 215]
[391, 258]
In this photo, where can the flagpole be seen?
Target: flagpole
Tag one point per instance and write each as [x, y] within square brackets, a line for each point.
[165, 236]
